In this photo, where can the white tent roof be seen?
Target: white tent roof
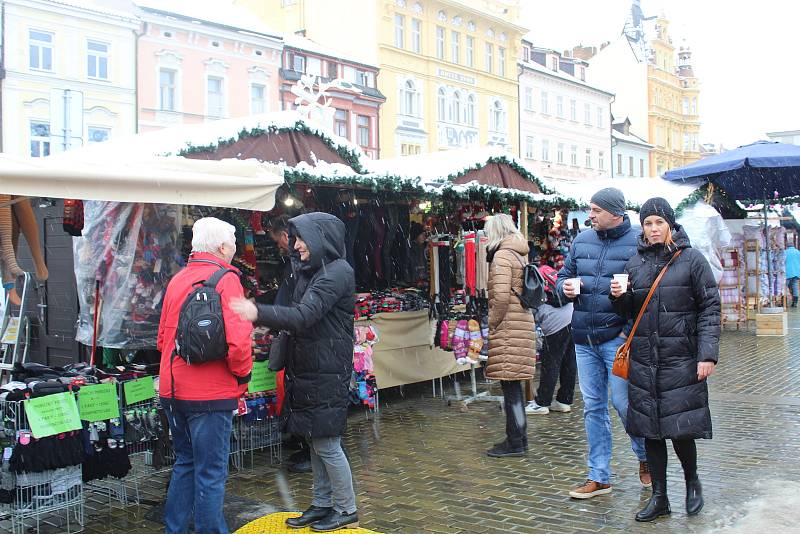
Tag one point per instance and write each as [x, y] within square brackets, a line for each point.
[228, 183]
[637, 190]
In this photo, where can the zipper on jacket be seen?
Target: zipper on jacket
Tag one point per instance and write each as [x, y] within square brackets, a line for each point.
[594, 291]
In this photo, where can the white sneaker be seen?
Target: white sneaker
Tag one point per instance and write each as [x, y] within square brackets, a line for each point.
[534, 409]
[558, 407]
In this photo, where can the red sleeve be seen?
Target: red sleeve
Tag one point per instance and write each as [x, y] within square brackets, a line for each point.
[162, 323]
[237, 331]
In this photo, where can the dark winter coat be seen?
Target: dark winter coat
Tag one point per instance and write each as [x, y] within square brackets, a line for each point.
[595, 257]
[679, 328]
[320, 318]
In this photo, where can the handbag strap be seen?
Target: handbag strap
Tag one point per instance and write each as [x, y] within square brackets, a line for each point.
[650, 296]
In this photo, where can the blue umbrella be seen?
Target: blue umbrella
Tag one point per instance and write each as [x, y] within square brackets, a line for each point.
[759, 171]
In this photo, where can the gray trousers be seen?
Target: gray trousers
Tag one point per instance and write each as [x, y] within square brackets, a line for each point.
[333, 481]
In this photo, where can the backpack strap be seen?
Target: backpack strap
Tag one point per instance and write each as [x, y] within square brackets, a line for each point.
[217, 276]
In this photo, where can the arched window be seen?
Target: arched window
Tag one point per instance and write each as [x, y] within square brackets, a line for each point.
[457, 108]
[471, 110]
[498, 119]
[441, 103]
[410, 98]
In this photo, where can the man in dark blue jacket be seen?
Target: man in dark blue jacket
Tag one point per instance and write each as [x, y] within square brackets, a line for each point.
[597, 331]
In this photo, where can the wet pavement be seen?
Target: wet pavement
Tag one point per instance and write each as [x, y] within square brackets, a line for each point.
[420, 466]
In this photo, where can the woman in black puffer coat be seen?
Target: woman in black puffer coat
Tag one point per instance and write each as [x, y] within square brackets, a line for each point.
[674, 350]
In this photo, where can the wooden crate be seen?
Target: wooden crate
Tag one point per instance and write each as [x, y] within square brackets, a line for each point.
[771, 324]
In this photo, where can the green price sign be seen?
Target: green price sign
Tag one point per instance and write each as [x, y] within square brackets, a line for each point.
[52, 414]
[262, 378]
[98, 402]
[139, 390]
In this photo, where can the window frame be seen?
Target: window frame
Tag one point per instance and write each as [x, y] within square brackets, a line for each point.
[41, 46]
[573, 155]
[573, 110]
[545, 99]
[560, 153]
[399, 30]
[338, 122]
[360, 129]
[546, 150]
[601, 160]
[455, 47]
[529, 147]
[440, 42]
[501, 61]
[90, 129]
[416, 35]
[529, 98]
[588, 158]
[488, 58]
[262, 103]
[99, 58]
[172, 88]
[470, 46]
[222, 107]
[587, 114]
[560, 107]
[44, 144]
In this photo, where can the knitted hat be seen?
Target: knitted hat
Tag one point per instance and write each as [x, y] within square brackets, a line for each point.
[657, 206]
[610, 199]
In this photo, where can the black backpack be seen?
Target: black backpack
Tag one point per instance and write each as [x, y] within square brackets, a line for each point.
[200, 336]
[533, 287]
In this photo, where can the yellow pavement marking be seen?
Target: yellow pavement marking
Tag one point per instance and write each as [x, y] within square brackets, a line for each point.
[276, 524]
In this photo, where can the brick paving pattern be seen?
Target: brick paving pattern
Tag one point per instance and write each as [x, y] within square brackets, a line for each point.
[421, 465]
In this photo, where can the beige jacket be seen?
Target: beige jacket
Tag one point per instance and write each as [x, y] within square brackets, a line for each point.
[512, 339]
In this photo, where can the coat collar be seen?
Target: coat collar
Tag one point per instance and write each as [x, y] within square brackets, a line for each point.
[617, 231]
[202, 258]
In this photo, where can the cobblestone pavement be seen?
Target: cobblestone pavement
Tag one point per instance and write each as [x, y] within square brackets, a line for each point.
[421, 465]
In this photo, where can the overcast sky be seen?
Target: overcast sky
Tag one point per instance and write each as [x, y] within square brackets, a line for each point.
[744, 53]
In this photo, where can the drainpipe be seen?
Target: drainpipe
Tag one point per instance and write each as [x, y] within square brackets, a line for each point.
[2, 64]
[610, 134]
[520, 70]
[136, 37]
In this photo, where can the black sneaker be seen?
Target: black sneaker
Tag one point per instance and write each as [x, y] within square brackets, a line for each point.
[336, 521]
[314, 513]
[503, 450]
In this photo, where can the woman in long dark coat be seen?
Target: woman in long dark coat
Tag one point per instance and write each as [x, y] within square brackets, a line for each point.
[674, 350]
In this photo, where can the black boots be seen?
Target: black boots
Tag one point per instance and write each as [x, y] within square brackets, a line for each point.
[504, 449]
[336, 521]
[312, 515]
[658, 504]
[694, 496]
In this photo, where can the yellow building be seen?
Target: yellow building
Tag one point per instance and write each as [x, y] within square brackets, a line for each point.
[672, 92]
[70, 76]
[447, 67]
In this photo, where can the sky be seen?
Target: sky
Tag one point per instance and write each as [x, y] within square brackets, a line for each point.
[744, 54]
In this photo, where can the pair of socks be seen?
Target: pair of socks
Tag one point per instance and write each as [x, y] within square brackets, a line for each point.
[467, 342]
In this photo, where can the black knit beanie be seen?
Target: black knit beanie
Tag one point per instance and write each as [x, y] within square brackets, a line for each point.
[657, 206]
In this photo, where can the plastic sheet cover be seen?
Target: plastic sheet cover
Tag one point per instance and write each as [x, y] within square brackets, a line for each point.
[132, 251]
[708, 233]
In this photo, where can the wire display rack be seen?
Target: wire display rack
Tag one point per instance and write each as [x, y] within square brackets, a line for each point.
[257, 430]
[54, 497]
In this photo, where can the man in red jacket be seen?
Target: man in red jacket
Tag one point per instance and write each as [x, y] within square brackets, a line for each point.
[200, 399]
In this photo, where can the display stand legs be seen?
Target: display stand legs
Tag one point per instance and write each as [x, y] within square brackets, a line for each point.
[466, 400]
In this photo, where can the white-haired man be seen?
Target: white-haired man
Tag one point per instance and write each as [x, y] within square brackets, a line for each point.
[199, 399]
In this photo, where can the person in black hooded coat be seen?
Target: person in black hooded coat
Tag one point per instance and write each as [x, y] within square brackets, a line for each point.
[320, 364]
[674, 349]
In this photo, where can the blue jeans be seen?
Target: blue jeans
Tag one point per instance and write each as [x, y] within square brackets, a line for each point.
[202, 442]
[594, 375]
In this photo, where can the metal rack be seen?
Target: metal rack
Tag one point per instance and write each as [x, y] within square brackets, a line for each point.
[732, 264]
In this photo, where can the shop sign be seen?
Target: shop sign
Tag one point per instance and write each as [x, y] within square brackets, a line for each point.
[262, 379]
[456, 77]
[52, 414]
[139, 390]
[98, 402]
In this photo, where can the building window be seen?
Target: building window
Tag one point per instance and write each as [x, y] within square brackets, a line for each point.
[40, 46]
[399, 31]
[97, 60]
[619, 164]
[166, 84]
[407, 149]
[416, 36]
[455, 47]
[498, 117]
[257, 98]
[333, 70]
[216, 98]
[365, 79]
[545, 150]
[560, 106]
[587, 114]
[588, 158]
[98, 135]
[573, 110]
[470, 51]
[471, 110]
[489, 57]
[630, 165]
[582, 73]
[439, 42]
[40, 139]
[545, 98]
[693, 108]
[298, 63]
[526, 53]
[641, 168]
[600, 115]
[560, 153]
[554, 63]
[529, 147]
[573, 155]
[685, 106]
[529, 98]
[441, 104]
[410, 100]
[601, 160]
[501, 61]
[363, 130]
[314, 66]
[456, 108]
[340, 121]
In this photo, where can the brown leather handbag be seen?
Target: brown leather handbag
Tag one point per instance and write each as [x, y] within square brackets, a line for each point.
[622, 361]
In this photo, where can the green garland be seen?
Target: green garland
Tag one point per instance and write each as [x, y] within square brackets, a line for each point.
[719, 199]
[525, 173]
[350, 156]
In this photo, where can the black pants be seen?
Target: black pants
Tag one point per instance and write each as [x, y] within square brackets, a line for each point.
[558, 363]
[656, 450]
[516, 422]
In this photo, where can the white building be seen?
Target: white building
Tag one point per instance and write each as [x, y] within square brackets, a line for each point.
[565, 123]
[70, 75]
[791, 137]
[630, 154]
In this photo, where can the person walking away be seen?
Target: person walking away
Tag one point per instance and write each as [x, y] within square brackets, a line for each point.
[512, 340]
[199, 399]
[320, 365]
[673, 351]
[558, 352]
[793, 272]
[598, 331]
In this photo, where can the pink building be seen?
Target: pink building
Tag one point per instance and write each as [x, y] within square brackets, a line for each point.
[193, 70]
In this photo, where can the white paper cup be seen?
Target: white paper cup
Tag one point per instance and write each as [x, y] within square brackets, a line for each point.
[576, 285]
[623, 280]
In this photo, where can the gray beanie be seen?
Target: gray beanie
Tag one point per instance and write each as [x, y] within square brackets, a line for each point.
[610, 199]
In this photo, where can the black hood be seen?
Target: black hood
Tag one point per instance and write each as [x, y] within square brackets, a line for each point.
[324, 235]
[679, 236]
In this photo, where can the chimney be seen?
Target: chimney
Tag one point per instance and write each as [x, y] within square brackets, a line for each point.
[583, 52]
